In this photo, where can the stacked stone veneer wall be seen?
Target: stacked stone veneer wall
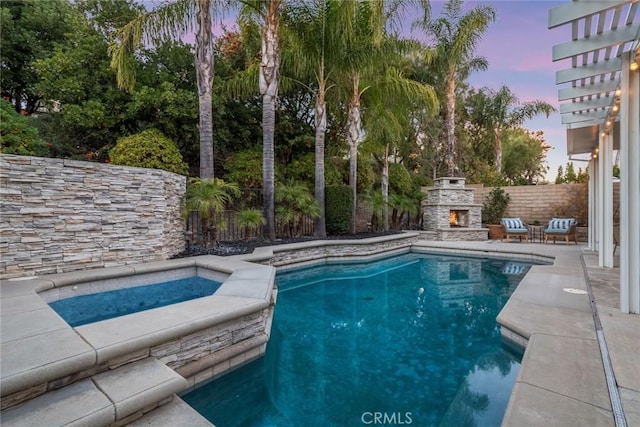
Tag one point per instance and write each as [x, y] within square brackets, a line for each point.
[319, 252]
[65, 215]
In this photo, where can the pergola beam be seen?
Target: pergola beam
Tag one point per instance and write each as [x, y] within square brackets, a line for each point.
[577, 92]
[592, 70]
[575, 10]
[583, 117]
[573, 107]
[597, 42]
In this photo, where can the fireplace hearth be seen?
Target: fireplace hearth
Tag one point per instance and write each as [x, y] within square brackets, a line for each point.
[450, 211]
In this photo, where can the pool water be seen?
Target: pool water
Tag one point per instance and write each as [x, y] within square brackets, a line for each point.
[83, 309]
[407, 340]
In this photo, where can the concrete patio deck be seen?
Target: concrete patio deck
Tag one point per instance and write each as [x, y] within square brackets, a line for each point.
[562, 380]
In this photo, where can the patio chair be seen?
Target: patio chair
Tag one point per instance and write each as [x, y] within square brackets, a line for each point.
[561, 227]
[514, 227]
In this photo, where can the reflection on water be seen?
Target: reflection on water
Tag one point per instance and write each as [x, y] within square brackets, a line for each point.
[411, 335]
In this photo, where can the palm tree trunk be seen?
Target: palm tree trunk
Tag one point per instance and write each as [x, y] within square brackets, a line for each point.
[498, 149]
[385, 189]
[320, 229]
[451, 125]
[269, 79]
[204, 76]
[353, 138]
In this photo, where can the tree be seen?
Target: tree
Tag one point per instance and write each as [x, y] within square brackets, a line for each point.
[560, 175]
[268, 11]
[524, 157]
[168, 22]
[366, 64]
[456, 36]
[316, 32]
[570, 173]
[17, 135]
[30, 31]
[506, 112]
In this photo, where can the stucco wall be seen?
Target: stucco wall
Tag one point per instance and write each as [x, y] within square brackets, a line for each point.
[65, 215]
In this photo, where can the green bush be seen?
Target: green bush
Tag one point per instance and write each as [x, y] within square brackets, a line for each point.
[495, 206]
[17, 135]
[338, 205]
[400, 181]
[149, 149]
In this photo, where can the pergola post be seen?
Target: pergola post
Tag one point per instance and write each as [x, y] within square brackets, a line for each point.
[629, 187]
[605, 202]
[592, 246]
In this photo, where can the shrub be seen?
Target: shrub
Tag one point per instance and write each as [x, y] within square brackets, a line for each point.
[294, 202]
[250, 220]
[209, 197]
[338, 205]
[17, 135]
[149, 149]
[495, 206]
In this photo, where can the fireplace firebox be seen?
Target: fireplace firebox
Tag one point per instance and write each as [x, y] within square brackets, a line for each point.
[458, 218]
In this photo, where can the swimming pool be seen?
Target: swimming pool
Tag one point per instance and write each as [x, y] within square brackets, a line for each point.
[84, 309]
[406, 340]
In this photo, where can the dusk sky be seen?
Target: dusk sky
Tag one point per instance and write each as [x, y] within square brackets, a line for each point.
[518, 46]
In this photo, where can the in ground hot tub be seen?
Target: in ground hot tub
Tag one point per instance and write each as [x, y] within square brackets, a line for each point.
[198, 338]
[84, 309]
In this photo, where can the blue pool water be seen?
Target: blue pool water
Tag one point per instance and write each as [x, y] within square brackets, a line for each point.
[84, 309]
[407, 340]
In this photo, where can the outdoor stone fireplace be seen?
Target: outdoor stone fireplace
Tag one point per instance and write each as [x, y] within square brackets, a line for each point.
[450, 211]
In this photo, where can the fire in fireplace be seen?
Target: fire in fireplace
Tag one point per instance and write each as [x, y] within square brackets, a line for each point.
[458, 218]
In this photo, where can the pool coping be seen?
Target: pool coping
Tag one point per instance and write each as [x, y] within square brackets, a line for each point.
[39, 346]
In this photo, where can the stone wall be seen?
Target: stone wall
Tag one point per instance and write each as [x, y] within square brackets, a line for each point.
[65, 215]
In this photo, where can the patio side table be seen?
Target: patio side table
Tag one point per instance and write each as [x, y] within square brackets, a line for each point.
[536, 233]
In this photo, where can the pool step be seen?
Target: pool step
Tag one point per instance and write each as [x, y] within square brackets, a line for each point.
[176, 413]
[101, 400]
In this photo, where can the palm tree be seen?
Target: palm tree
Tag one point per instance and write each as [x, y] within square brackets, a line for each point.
[250, 219]
[171, 21]
[456, 36]
[208, 197]
[268, 11]
[315, 51]
[504, 111]
[295, 202]
[363, 29]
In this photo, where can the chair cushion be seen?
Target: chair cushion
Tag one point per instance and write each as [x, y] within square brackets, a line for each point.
[513, 224]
